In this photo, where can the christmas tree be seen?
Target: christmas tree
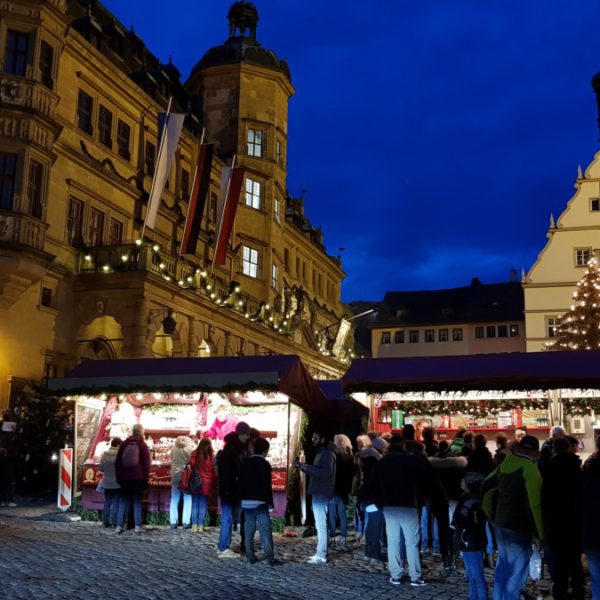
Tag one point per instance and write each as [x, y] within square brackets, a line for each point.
[579, 328]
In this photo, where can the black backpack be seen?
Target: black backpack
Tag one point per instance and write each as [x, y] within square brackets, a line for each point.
[469, 525]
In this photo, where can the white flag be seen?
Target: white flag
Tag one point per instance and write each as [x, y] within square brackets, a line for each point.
[168, 147]
[340, 338]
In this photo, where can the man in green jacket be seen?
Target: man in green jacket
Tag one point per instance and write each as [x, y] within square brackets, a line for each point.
[512, 501]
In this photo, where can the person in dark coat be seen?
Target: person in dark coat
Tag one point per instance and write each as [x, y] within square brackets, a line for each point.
[229, 465]
[344, 475]
[256, 493]
[501, 448]
[132, 468]
[561, 514]
[590, 517]
[480, 459]
[547, 449]
[429, 441]
[8, 459]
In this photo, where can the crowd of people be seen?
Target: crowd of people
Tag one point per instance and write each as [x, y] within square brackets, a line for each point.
[409, 493]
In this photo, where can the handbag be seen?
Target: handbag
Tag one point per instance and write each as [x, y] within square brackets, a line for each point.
[184, 481]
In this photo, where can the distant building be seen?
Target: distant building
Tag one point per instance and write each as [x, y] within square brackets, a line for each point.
[80, 97]
[475, 319]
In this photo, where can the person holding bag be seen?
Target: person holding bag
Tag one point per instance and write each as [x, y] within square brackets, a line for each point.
[201, 481]
[184, 446]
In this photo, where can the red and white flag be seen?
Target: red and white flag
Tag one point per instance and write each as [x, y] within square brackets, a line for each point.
[171, 130]
[197, 203]
[232, 180]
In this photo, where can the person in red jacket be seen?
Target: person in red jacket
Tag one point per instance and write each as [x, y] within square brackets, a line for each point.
[132, 468]
[203, 459]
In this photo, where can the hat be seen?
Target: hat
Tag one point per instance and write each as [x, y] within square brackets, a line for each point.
[529, 443]
[380, 444]
[242, 428]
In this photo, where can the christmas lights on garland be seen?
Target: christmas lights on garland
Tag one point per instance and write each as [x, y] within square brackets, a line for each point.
[581, 406]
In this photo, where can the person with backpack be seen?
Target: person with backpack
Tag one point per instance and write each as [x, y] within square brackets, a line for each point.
[202, 463]
[133, 471]
[470, 534]
[256, 493]
[182, 450]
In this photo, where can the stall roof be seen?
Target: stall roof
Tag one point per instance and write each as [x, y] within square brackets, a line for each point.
[512, 371]
[285, 374]
[344, 405]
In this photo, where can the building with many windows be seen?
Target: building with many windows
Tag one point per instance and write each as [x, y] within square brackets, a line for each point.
[79, 101]
[475, 319]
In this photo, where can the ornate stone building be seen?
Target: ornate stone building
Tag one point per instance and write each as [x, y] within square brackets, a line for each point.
[79, 100]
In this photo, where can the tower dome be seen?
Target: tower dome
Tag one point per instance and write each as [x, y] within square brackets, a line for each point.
[242, 17]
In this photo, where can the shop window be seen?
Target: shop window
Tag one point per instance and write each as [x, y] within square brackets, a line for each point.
[15, 56]
[479, 333]
[384, 415]
[442, 335]
[115, 232]
[275, 277]
[399, 337]
[185, 184]
[582, 256]
[502, 330]
[413, 336]
[595, 204]
[123, 140]
[429, 336]
[105, 119]
[253, 193]
[34, 189]
[46, 297]
[47, 65]
[96, 228]
[75, 223]
[250, 262]
[514, 330]
[457, 334]
[8, 169]
[255, 142]
[149, 158]
[385, 337]
[490, 331]
[85, 108]
[551, 324]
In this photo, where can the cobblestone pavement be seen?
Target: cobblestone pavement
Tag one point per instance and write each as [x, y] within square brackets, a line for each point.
[42, 559]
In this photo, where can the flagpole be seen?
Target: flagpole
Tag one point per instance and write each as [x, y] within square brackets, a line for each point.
[192, 191]
[212, 266]
[160, 149]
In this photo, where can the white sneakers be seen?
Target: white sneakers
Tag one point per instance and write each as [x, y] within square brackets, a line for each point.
[228, 553]
[316, 560]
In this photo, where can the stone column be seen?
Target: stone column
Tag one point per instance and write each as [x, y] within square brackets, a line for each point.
[135, 332]
[228, 351]
[195, 336]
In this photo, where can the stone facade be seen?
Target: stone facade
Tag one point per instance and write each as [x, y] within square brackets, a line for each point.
[78, 127]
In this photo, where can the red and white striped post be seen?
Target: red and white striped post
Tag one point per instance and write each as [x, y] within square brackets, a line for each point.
[65, 479]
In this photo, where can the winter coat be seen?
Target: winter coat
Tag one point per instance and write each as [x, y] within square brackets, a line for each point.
[107, 466]
[545, 455]
[368, 458]
[511, 496]
[344, 475]
[561, 496]
[500, 455]
[456, 445]
[220, 429]
[206, 468]
[481, 461]
[322, 472]
[255, 480]
[400, 479]
[182, 450]
[229, 464]
[431, 448]
[450, 471]
[590, 514]
[135, 477]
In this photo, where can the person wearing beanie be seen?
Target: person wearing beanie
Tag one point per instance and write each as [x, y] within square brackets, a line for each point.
[512, 501]
[230, 463]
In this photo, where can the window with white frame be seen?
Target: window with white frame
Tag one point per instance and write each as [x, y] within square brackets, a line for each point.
[386, 337]
[275, 277]
[551, 324]
[253, 193]
[582, 256]
[429, 335]
[399, 337]
[457, 334]
[442, 335]
[277, 209]
[255, 142]
[250, 262]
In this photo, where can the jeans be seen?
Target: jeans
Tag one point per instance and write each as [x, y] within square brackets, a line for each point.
[228, 512]
[176, 494]
[373, 529]
[474, 570]
[593, 557]
[512, 568]
[338, 507]
[403, 521]
[111, 506]
[129, 497]
[490, 539]
[199, 504]
[360, 518]
[253, 517]
[319, 507]
[429, 530]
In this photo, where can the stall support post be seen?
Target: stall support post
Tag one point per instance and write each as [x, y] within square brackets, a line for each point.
[287, 463]
[556, 416]
[65, 479]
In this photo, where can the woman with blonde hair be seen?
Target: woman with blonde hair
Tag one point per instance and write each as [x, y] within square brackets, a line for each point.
[344, 474]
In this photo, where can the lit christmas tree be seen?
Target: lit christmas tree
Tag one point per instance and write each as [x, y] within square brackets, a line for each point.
[579, 328]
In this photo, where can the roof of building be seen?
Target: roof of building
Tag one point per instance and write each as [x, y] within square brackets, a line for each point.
[475, 303]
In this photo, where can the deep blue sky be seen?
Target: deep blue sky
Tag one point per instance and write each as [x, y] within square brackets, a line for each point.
[434, 138]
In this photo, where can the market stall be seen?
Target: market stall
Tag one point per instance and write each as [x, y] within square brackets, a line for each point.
[486, 392]
[199, 397]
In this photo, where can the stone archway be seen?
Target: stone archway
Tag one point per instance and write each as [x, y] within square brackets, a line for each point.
[100, 339]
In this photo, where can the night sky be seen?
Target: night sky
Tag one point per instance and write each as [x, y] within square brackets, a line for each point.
[434, 138]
